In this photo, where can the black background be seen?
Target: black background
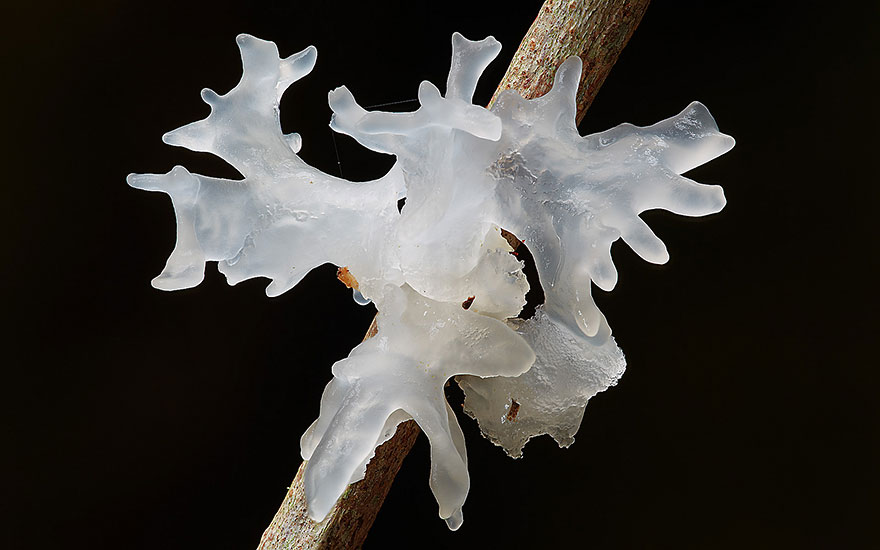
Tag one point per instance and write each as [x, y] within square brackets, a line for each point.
[139, 419]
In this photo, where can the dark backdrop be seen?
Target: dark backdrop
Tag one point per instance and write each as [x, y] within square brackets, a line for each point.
[139, 419]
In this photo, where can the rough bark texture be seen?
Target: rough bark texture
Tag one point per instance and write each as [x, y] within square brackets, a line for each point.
[350, 520]
[594, 30]
[347, 524]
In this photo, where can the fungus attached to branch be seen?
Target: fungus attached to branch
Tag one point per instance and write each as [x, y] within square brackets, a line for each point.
[466, 172]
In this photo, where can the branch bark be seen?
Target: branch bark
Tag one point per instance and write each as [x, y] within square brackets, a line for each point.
[594, 30]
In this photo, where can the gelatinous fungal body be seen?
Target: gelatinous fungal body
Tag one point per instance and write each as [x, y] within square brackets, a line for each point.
[439, 270]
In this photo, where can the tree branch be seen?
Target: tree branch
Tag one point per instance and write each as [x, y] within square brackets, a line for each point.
[594, 30]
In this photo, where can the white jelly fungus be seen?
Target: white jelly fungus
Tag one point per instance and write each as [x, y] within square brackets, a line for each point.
[447, 289]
